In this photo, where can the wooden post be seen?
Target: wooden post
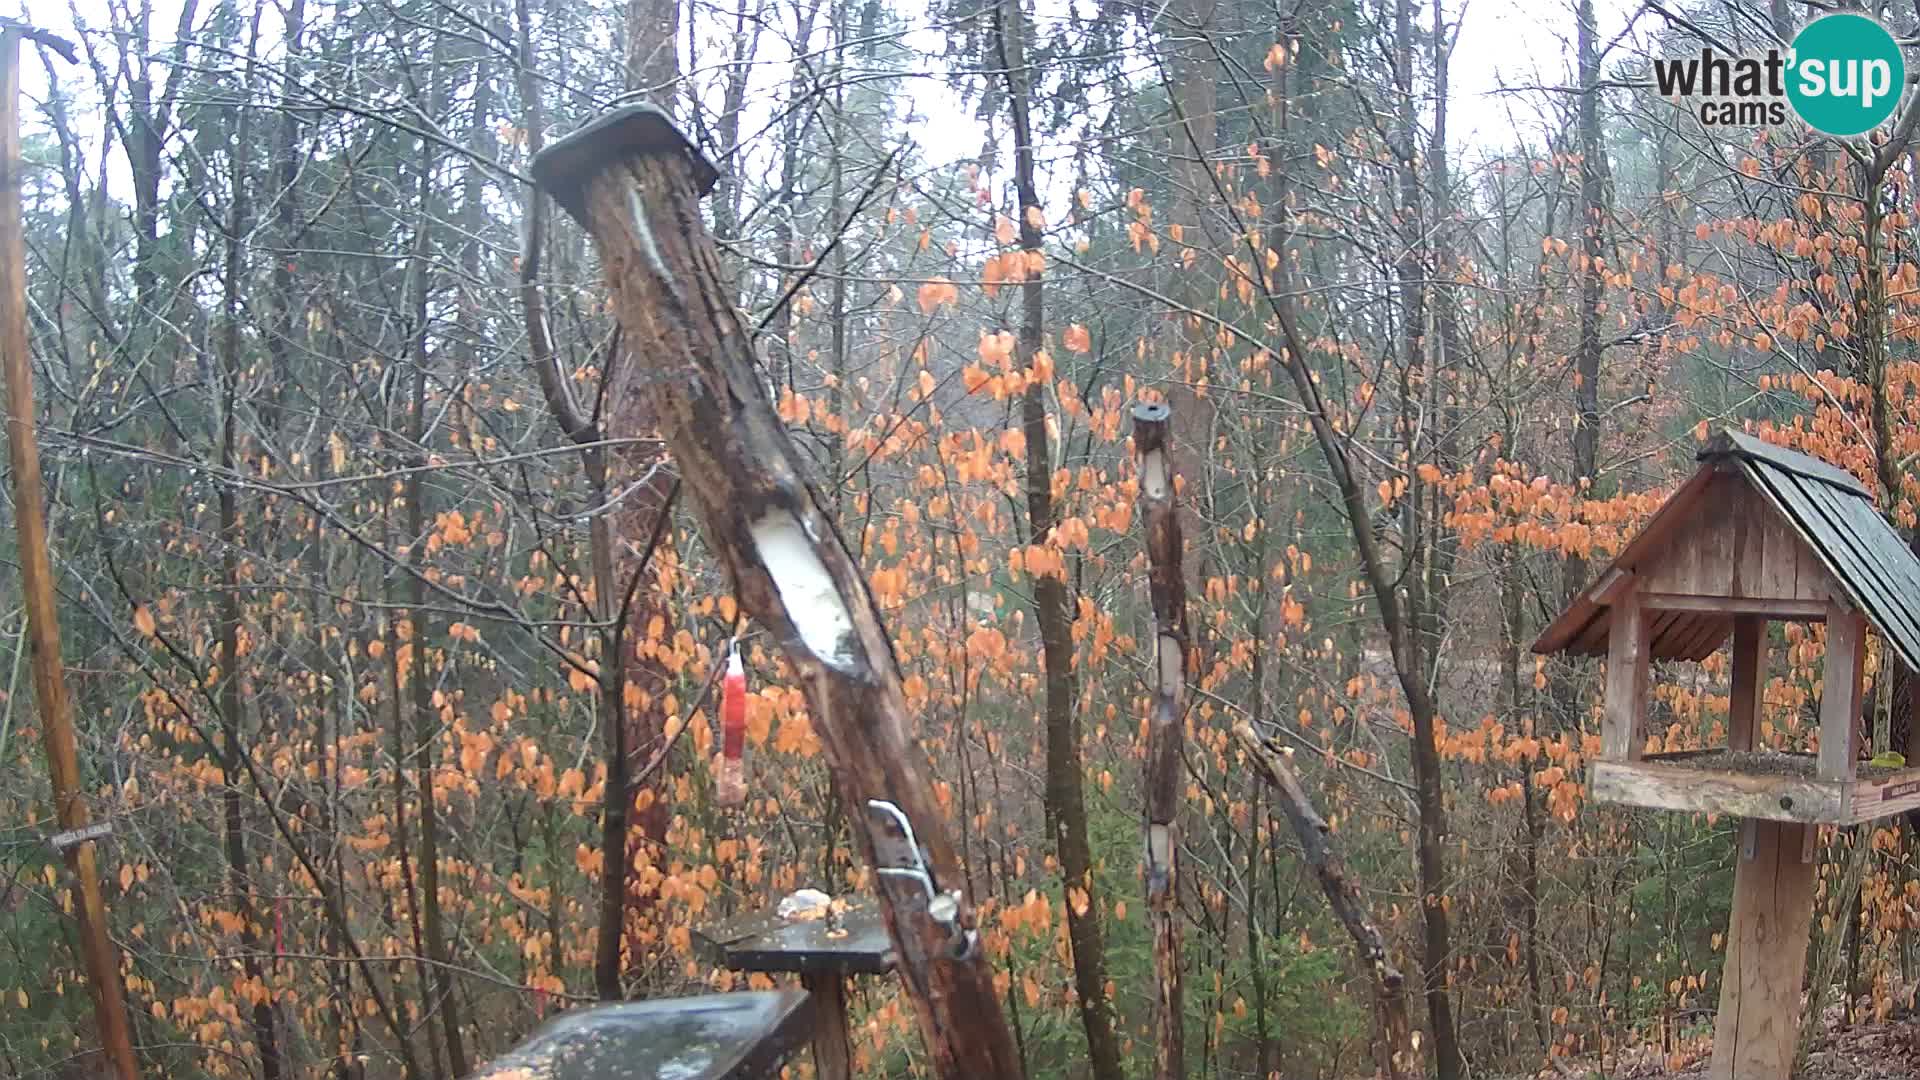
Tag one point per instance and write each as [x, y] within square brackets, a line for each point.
[635, 182]
[1749, 681]
[1766, 953]
[1623, 725]
[832, 1042]
[98, 953]
[1167, 585]
[1840, 680]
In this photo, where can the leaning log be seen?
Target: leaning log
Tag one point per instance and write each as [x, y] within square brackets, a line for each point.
[635, 182]
[1398, 1051]
[1167, 585]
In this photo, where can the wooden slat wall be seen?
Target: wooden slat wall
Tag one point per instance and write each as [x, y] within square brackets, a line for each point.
[1737, 546]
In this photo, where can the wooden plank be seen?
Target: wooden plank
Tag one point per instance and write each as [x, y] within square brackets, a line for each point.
[1781, 555]
[1748, 521]
[1676, 787]
[1793, 609]
[1887, 796]
[1627, 661]
[1660, 628]
[1767, 934]
[1705, 633]
[1749, 681]
[1840, 691]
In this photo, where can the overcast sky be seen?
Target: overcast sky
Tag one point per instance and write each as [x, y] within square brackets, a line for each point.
[1501, 43]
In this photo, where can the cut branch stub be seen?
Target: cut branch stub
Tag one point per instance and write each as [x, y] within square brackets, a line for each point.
[635, 183]
[1167, 584]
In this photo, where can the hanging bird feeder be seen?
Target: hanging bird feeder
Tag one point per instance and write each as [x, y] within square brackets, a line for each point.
[730, 785]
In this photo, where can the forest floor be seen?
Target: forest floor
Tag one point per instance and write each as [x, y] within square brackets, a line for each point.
[1888, 1050]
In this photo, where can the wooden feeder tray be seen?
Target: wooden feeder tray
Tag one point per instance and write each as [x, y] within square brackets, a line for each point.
[1756, 784]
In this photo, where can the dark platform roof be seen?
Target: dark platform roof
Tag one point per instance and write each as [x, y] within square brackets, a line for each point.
[1826, 507]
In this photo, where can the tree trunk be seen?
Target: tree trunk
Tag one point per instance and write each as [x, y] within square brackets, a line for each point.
[1065, 793]
[635, 183]
[232, 540]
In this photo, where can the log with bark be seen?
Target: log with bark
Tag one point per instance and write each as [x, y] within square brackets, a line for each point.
[1165, 727]
[635, 182]
[1398, 1049]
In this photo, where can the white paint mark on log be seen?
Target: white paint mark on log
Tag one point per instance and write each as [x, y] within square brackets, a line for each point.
[807, 591]
[645, 233]
[1153, 474]
[1171, 680]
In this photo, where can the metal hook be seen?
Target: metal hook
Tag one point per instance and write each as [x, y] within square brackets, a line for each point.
[942, 907]
[918, 871]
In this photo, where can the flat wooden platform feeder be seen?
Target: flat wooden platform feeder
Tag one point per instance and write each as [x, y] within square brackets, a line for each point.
[1758, 534]
[1756, 784]
[824, 951]
[744, 1036]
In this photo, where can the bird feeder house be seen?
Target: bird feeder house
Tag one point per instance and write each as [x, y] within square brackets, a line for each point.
[1758, 535]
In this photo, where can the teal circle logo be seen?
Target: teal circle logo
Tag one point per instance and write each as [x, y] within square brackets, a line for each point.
[1846, 75]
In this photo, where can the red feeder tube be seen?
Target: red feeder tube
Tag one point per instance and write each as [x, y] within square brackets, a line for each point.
[730, 787]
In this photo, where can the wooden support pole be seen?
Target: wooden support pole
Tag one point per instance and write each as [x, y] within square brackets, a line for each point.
[635, 182]
[1749, 681]
[1167, 584]
[832, 1041]
[1840, 680]
[1623, 725]
[98, 953]
[1766, 953]
[1911, 705]
[1398, 1055]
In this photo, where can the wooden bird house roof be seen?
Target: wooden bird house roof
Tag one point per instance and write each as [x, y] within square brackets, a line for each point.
[1779, 531]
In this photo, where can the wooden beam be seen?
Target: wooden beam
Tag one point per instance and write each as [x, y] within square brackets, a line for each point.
[1624, 721]
[1766, 607]
[1749, 681]
[1704, 791]
[1840, 690]
[1766, 956]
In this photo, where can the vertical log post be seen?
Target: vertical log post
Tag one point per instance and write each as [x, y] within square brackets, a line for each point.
[1749, 681]
[832, 1041]
[635, 182]
[1623, 726]
[1840, 680]
[98, 953]
[1165, 728]
[1767, 935]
